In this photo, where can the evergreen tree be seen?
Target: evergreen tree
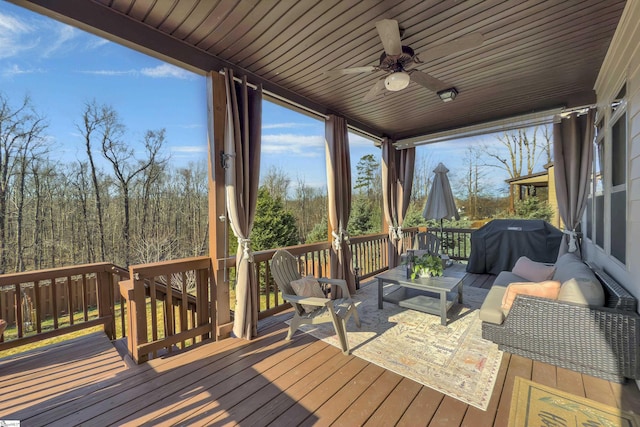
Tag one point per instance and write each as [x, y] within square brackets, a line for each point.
[533, 208]
[319, 232]
[361, 220]
[274, 226]
[368, 171]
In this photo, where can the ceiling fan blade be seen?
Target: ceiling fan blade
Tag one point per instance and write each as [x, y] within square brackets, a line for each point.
[468, 41]
[390, 36]
[430, 82]
[354, 70]
[375, 90]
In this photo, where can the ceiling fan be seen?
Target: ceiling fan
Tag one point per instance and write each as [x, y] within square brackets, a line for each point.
[398, 62]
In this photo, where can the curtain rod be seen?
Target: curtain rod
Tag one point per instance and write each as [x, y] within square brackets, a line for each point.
[277, 99]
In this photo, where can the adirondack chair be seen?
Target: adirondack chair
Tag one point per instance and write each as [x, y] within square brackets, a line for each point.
[284, 269]
[427, 241]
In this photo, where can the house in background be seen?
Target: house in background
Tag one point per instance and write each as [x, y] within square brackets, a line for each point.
[541, 185]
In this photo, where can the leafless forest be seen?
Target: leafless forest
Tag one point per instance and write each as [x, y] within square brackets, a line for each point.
[118, 204]
[113, 204]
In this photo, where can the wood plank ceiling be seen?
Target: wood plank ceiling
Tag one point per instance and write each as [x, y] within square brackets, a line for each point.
[536, 54]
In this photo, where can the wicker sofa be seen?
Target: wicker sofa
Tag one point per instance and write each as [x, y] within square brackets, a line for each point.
[601, 341]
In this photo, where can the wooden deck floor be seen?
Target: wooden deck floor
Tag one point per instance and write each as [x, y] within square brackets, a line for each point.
[265, 381]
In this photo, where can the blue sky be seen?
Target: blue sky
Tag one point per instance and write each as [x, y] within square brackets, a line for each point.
[61, 68]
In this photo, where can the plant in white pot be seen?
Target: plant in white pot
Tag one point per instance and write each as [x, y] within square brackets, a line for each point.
[427, 265]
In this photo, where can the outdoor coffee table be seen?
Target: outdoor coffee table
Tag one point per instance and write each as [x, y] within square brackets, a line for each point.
[441, 286]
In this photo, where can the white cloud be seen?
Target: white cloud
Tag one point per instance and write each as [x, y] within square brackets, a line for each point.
[166, 70]
[189, 149]
[192, 126]
[45, 37]
[97, 42]
[16, 70]
[110, 72]
[161, 71]
[294, 145]
[290, 125]
[62, 35]
[359, 141]
[13, 32]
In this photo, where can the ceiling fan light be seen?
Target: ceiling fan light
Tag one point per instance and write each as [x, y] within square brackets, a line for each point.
[447, 95]
[397, 81]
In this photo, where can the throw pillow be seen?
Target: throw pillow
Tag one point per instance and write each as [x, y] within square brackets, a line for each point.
[308, 287]
[582, 290]
[532, 270]
[547, 289]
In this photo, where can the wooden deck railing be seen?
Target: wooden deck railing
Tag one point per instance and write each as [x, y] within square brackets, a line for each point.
[456, 242]
[369, 258]
[169, 305]
[47, 303]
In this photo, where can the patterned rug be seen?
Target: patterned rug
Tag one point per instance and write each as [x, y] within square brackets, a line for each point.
[534, 404]
[452, 359]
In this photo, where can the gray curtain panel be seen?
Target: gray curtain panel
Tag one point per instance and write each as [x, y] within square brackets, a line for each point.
[397, 182]
[572, 157]
[242, 174]
[339, 194]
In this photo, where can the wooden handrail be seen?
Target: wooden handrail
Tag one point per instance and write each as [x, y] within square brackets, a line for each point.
[158, 319]
[52, 302]
[76, 270]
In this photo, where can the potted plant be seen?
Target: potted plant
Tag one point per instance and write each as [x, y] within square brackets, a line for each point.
[427, 265]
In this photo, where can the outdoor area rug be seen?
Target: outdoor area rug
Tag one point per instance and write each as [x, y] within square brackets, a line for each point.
[536, 405]
[452, 359]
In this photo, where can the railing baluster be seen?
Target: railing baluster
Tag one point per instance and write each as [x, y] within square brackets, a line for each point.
[54, 303]
[85, 298]
[154, 310]
[183, 307]
[18, 304]
[70, 300]
[169, 327]
[38, 301]
[267, 281]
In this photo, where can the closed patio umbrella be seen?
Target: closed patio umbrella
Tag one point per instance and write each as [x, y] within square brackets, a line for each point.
[440, 202]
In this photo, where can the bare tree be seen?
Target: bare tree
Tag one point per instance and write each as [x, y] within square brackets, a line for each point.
[422, 177]
[19, 127]
[472, 181]
[547, 134]
[97, 122]
[520, 149]
[30, 151]
[126, 167]
[82, 193]
[277, 183]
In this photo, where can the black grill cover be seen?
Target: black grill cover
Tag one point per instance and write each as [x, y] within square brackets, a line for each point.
[498, 244]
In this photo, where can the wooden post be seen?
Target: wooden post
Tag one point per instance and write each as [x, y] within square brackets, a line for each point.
[126, 292]
[138, 316]
[219, 299]
[202, 300]
[105, 301]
